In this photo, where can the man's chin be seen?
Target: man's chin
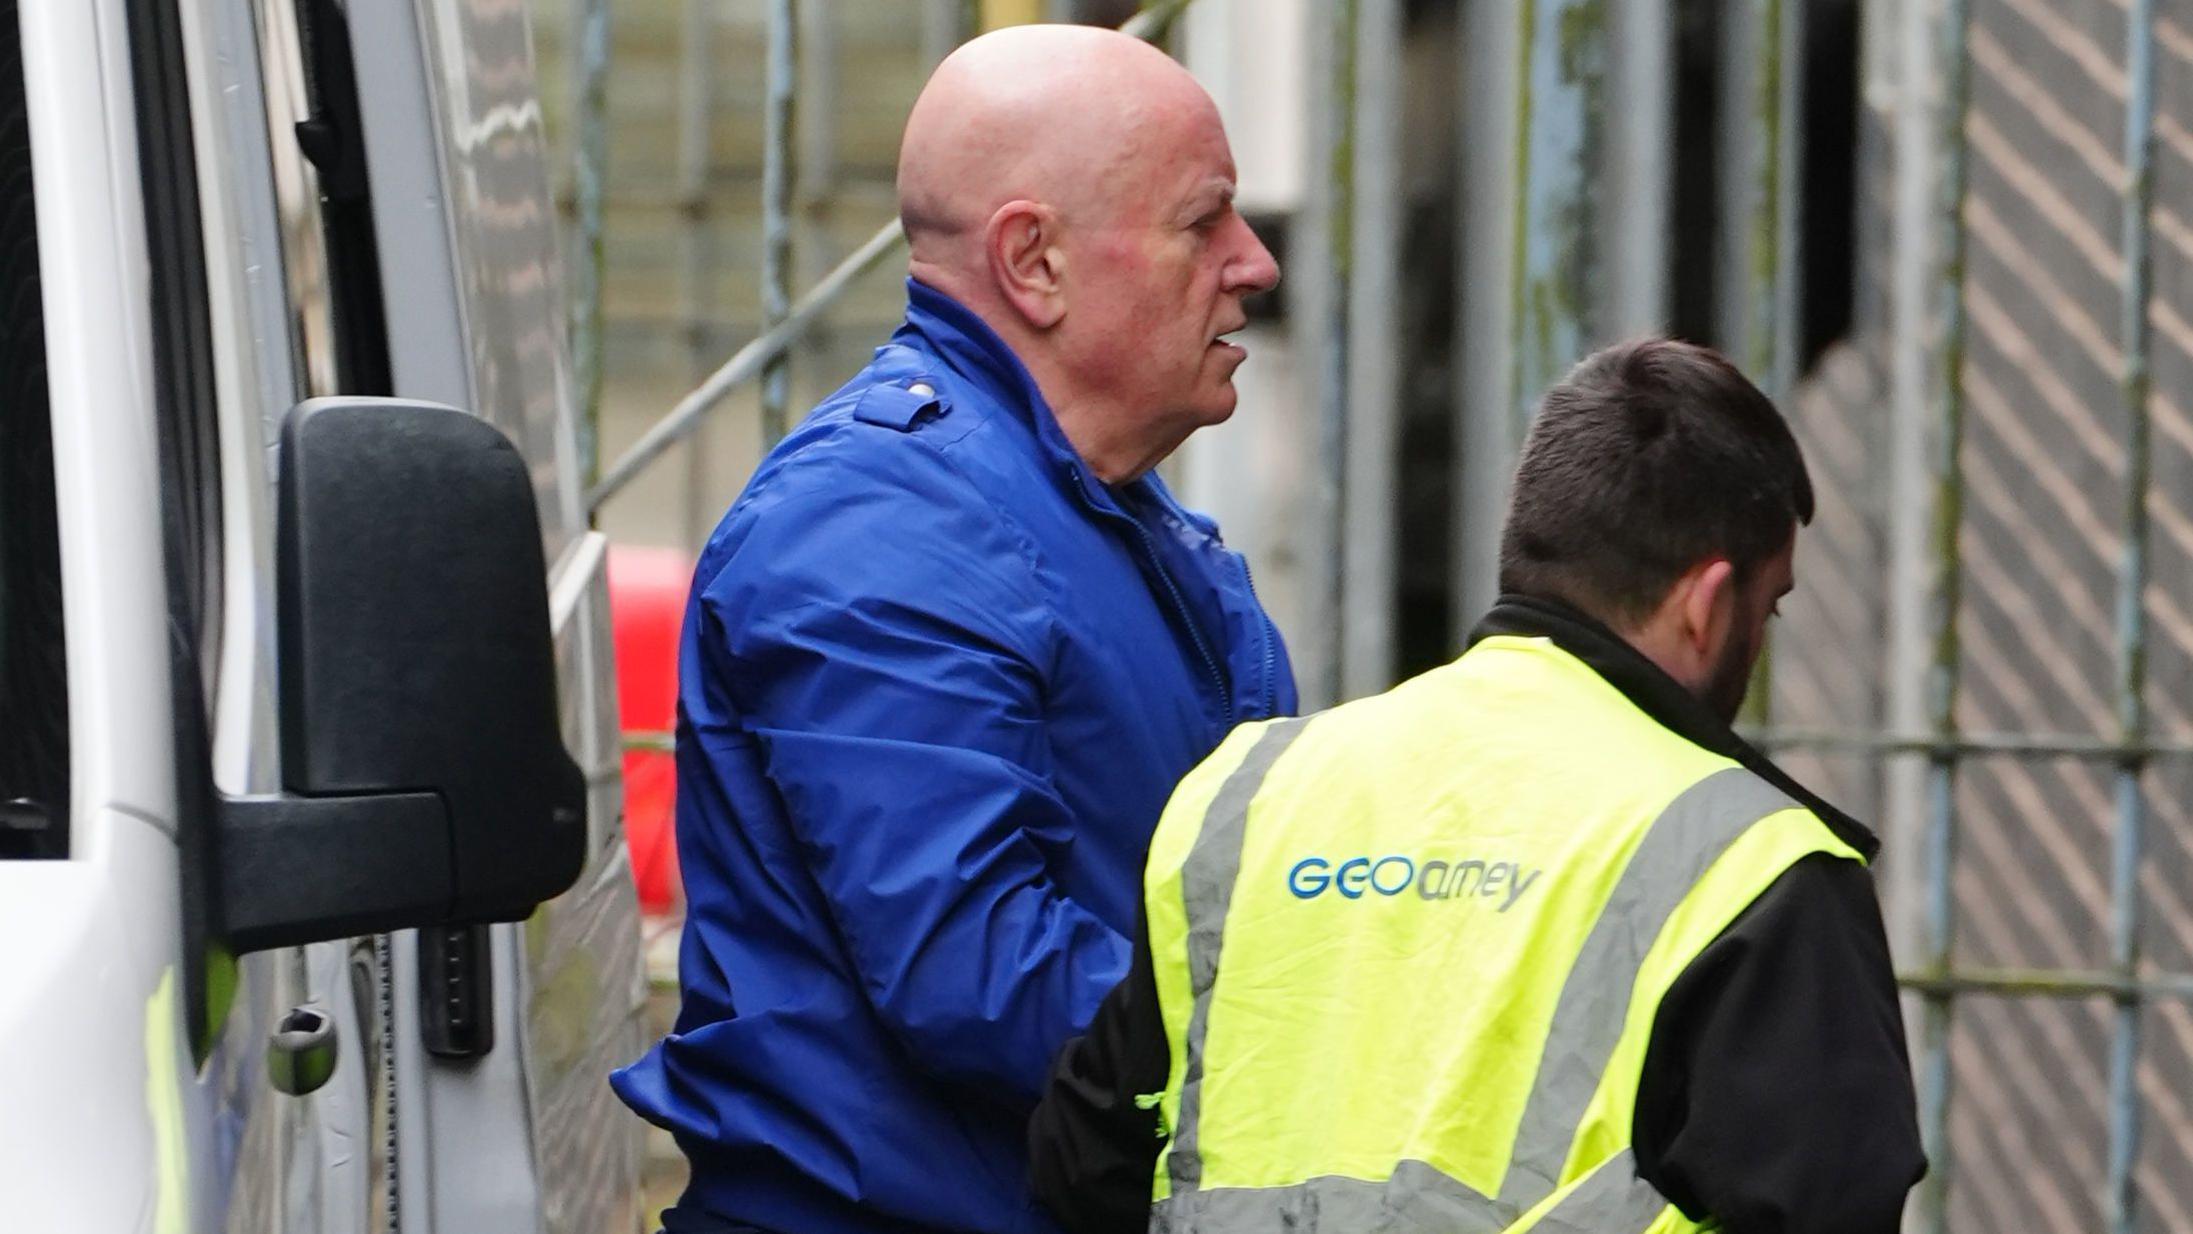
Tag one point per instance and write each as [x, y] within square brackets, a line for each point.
[1730, 685]
[1218, 406]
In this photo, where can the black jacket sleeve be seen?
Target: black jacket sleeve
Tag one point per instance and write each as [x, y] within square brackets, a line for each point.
[1092, 1147]
[1777, 1093]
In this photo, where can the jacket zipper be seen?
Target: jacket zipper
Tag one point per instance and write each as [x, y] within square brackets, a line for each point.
[1271, 634]
[1172, 591]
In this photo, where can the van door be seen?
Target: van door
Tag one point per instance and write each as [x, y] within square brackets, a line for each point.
[313, 1162]
[504, 1120]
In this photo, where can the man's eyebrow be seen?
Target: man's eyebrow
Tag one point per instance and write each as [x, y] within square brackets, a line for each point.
[1201, 201]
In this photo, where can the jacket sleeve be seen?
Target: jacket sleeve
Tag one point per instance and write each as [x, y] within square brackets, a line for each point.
[1092, 1146]
[884, 636]
[1777, 1092]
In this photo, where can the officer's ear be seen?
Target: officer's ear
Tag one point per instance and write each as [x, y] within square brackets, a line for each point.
[1021, 243]
[1707, 604]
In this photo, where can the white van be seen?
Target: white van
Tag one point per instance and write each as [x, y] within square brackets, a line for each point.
[304, 657]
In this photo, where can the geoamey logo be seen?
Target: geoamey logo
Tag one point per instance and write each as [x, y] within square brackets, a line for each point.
[1472, 880]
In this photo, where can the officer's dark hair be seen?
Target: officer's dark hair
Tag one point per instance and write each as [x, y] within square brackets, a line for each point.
[1650, 457]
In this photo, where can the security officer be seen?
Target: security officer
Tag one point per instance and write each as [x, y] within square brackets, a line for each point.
[1532, 942]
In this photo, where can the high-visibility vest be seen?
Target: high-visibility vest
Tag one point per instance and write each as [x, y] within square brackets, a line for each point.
[1409, 951]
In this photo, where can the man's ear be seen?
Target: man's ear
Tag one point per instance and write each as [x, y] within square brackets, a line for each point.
[1021, 243]
[1707, 602]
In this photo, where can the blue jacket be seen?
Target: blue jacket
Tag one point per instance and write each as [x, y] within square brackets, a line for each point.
[936, 683]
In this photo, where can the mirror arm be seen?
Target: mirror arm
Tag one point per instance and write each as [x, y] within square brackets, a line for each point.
[284, 860]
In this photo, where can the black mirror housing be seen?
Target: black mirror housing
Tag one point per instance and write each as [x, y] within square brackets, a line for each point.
[426, 781]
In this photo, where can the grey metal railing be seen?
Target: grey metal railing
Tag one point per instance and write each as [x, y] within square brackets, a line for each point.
[1940, 844]
[697, 245]
[776, 206]
[589, 65]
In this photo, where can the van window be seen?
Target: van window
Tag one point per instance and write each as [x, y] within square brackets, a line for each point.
[34, 706]
[318, 148]
[297, 197]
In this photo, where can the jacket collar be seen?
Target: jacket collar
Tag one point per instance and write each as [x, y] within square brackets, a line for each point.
[1657, 695]
[955, 334]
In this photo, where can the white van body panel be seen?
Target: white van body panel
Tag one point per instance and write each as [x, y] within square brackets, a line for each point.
[91, 225]
[91, 1041]
[90, 1034]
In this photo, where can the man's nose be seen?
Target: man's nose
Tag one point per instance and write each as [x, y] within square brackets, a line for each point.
[1254, 269]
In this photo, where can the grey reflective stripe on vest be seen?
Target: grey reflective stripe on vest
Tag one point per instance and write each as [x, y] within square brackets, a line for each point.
[1688, 837]
[1610, 1200]
[1418, 1199]
[1207, 881]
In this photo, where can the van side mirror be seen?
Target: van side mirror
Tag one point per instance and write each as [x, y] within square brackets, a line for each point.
[425, 777]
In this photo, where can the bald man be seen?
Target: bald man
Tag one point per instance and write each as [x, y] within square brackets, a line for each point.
[948, 654]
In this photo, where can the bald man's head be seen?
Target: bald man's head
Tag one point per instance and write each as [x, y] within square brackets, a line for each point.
[1073, 187]
[1051, 113]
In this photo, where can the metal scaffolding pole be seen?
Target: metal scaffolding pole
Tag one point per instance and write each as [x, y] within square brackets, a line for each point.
[590, 158]
[697, 267]
[1564, 56]
[779, 80]
[1756, 302]
[1636, 232]
[1155, 19]
[1760, 76]
[1320, 321]
[1490, 130]
[746, 364]
[1370, 507]
[816, 87]
[1787, 198]
[1954, 72]
[2124, 933]
[1899, 45]
[945, 24]
[815, 183]
[2071, 746]
[1532, 237]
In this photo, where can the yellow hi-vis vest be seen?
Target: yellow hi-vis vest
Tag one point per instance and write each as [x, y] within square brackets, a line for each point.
[1409, 951]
